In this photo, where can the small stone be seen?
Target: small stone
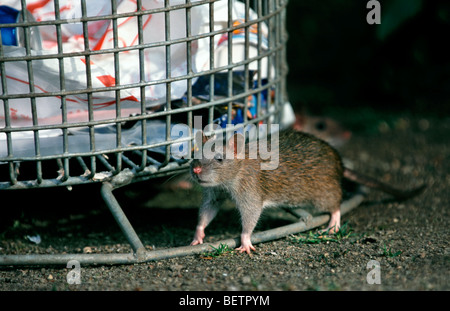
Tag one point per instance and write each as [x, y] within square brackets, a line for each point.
[175, 268]
[87, 250]
[246, 280]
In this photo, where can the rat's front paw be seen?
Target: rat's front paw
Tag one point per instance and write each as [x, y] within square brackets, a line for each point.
[248, 249]
[197, 241]
[199, 236]
[246, 246]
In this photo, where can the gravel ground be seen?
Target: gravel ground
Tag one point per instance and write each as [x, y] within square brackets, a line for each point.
[409, 239]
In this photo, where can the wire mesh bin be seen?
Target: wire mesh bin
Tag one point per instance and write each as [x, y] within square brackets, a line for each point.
[90, 89]
[108, 91]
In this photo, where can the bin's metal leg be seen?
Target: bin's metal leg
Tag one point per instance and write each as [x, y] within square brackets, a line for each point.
[141, 255]
[121, 219]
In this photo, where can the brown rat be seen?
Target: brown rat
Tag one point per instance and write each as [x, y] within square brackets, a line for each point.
[308, 171]
[323, 127]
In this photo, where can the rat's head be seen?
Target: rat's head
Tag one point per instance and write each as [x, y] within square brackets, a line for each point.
[324, 128]
[219, 162]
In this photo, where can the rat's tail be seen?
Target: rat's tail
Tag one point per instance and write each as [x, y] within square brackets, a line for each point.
[375, 184]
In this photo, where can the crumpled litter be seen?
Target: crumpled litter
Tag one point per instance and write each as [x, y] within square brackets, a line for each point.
[36, 239]
[47, 76]
[105, 139]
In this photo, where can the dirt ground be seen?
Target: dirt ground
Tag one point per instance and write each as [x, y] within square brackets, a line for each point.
[410, 239]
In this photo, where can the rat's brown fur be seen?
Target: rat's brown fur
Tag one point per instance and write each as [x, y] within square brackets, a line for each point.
[309, 172]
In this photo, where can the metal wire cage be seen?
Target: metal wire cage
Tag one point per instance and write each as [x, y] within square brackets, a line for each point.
[110, 91]
[93, 90]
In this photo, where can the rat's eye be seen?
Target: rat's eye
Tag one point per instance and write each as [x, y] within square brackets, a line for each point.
[218, 157]
[321, 126]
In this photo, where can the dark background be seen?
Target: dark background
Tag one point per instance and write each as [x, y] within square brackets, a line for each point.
[339, 63]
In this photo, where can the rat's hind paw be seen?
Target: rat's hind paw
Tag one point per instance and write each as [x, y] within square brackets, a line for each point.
[246, 248]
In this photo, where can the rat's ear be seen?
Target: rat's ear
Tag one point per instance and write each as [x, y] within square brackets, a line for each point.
[237, 145]
[206, 138]
[300, 121]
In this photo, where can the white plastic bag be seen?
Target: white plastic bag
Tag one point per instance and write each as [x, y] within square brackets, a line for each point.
[47, 76]
[46, 72]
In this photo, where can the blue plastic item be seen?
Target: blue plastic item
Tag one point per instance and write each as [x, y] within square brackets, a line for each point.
[8, 15]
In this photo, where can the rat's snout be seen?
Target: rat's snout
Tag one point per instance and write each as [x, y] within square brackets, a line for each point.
[197, 170]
